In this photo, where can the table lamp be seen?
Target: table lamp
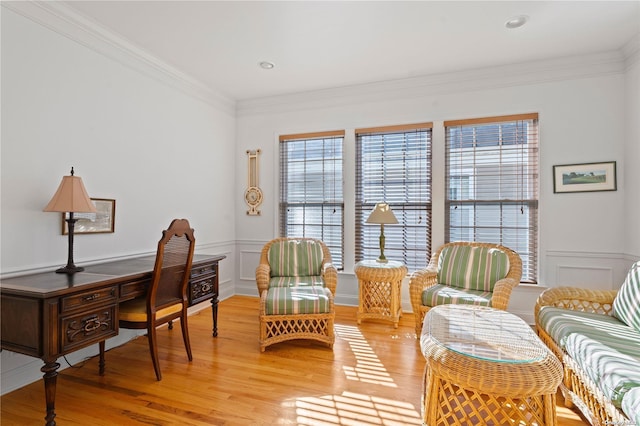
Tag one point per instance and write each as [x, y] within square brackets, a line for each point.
[71, 197]
[382, 214]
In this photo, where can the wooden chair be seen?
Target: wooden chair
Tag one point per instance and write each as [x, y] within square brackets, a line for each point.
[297, 284]
[166, 298]
[451, 278]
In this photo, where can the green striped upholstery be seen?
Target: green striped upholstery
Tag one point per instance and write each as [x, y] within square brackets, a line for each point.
[441, 294]
[297, 300]
[607, 350]
[290, 258]
[626, 305]
[296, 281]
[631, 405]
[472, 268]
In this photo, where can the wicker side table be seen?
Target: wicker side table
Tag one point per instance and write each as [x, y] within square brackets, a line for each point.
[486, 366]
[379, 290]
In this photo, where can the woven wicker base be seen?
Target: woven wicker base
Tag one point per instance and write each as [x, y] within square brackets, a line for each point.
[280, 328]
[445, 403]
[379, 296]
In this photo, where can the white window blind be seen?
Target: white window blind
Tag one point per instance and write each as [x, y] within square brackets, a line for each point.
[311, 189]
[492, 184]
[394, 165]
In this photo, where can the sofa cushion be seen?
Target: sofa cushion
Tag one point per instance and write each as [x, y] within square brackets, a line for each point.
[296, 281]
[293, 258]
[298, 300]
[607, 350]
[631, 405]
[626, 305]
[441, 294]
[472, 268]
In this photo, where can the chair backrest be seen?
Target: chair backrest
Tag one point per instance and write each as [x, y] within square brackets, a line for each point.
[296, 257]
[172, 267]
[476, 266]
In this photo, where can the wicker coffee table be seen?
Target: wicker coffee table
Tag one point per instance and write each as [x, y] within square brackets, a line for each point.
[486, 366]
[379, 295]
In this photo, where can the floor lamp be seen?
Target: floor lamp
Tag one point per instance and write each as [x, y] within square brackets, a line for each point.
[71, 197]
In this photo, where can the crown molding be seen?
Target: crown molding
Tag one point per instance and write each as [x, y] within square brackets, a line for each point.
[587, 66]
[71, 24]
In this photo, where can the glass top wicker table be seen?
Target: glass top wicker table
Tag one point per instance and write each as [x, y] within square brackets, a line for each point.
[485, 366]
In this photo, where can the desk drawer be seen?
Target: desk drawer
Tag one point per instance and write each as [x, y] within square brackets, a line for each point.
[88, 299]
[201, 271]
[203, 289]
[80, 330]
[134, 289]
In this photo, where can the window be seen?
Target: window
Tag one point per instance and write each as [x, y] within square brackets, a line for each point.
[394, 165]
[492, 184]
[311, 200]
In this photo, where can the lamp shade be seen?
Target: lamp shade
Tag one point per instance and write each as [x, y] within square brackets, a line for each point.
[382, 214]
[71, 196]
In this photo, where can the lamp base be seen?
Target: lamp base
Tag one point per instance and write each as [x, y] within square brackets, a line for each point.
[69, 269]
[382, 260]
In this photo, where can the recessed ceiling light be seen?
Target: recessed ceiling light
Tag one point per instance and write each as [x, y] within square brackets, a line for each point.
[516, 22]
[267, 65]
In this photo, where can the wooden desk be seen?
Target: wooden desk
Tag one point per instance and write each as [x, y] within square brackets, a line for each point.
[48, 315]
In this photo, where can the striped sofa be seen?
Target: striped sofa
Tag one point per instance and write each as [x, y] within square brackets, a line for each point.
[596, 335]
[297, 283]
[465, 272]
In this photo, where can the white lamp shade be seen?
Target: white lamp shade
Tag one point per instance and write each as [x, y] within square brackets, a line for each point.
[382, 214]
[71, 196]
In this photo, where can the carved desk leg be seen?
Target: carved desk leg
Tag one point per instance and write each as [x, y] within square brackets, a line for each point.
[50, 370]
[101, 362]
[214, 313]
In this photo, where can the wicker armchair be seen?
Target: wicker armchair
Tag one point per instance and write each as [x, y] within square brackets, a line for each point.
[296, 297]
[426, 280]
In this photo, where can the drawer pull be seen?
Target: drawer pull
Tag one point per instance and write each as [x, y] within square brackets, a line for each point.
[94, 296]
[92, 324]
[88, 326]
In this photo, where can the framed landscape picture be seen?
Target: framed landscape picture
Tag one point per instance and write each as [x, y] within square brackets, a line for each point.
[586, 177]
[94, 223]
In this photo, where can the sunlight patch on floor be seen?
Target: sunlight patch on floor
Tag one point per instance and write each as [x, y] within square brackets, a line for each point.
[368, 367]
[353, 409]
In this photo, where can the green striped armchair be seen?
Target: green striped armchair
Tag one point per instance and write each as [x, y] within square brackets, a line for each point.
[465, 272]
[297, 283]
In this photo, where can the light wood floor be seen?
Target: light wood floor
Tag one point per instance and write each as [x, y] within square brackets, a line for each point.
[372, 377]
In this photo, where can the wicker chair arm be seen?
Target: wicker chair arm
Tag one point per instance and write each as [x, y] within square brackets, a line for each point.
[502, 293]
[420, 280]
[577, 299]
[330, 276]
[263, 275]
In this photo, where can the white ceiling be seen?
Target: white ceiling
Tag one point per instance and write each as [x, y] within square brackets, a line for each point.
[327, 44]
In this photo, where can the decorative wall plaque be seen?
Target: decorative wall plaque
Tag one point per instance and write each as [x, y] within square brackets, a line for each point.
[253, 194]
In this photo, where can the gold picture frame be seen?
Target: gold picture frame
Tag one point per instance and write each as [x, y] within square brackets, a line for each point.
[102, 222]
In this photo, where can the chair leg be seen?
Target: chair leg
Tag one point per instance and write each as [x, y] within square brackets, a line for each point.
[185, 334]
[101, 362]
[153, 348]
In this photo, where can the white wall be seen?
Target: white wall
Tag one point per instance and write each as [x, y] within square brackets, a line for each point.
[632, 153]
[156, 149]
[582, 108]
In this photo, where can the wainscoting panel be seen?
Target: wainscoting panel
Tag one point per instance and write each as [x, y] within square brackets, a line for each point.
[593, 270]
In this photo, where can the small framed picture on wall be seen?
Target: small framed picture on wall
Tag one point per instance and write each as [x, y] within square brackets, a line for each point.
[94, 223]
